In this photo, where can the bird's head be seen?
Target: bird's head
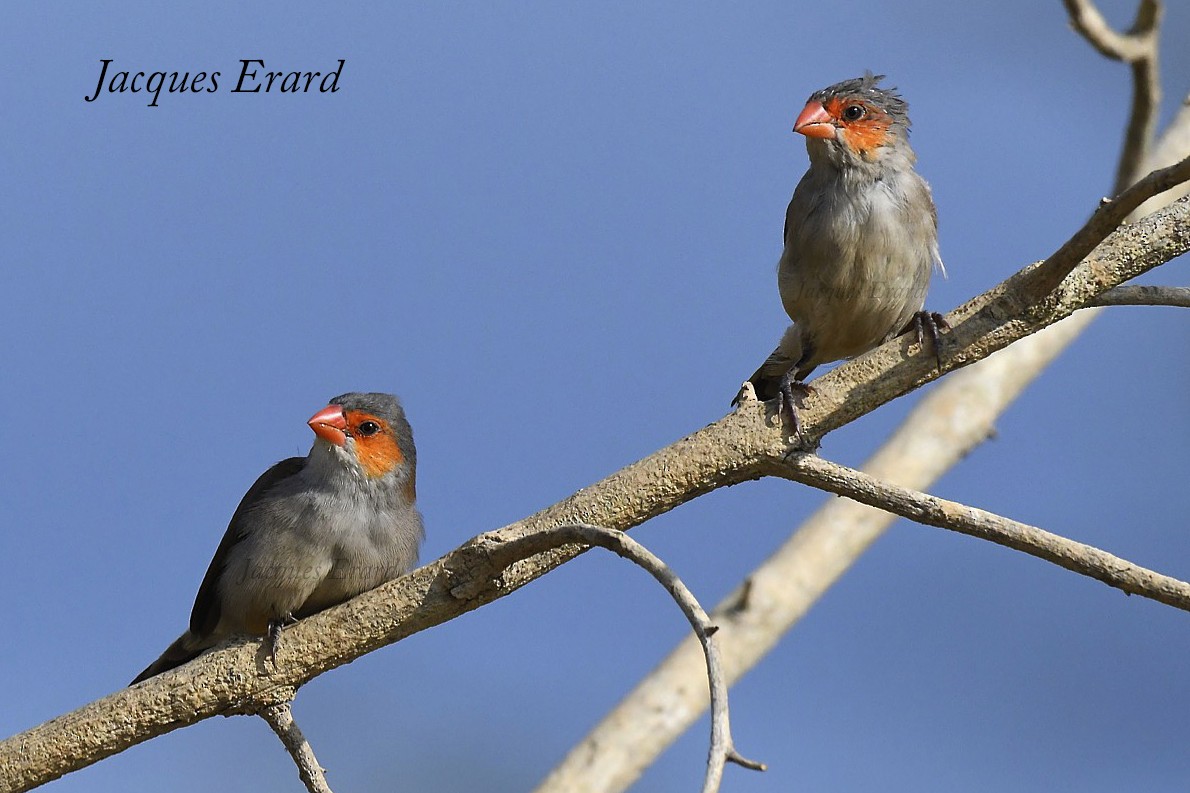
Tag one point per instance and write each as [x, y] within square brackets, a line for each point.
[370, 434]
[856, 123]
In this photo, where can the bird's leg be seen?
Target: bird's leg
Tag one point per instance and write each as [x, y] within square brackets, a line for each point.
[789, 390]
[928, 323]
[273, 638]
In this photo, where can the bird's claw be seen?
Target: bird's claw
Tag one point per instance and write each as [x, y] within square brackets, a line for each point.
[928, 323]
[788, 392]
[273, 638]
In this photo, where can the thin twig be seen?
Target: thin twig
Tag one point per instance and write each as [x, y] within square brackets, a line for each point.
[1106, 219]
[933, 511]
[1177, 296]
[280, 718]
[722, 750]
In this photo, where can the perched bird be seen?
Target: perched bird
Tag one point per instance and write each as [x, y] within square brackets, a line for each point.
[312, 531]
[861, 236]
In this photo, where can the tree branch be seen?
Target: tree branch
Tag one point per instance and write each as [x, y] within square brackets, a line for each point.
[1178, 296]
[280, 718]
[930, 510]
[1130, 47]
[1106, 218]
[501, 554]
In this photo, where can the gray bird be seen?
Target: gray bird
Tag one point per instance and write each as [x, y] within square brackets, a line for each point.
[312, 531]
[861, 237]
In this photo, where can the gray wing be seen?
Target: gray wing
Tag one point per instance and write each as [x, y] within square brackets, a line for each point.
[207, 611]
[806, 199]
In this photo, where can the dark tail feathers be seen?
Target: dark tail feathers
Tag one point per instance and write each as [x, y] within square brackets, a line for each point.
[186, 648]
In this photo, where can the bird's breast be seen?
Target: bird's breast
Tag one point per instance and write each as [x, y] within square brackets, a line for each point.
[367, 543]
[310, 549]
[856, 265]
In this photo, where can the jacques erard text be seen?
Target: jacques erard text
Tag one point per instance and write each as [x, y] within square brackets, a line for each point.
[253, 78]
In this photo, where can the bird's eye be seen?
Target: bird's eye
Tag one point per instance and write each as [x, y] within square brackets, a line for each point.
[854, 112]
[368, 428]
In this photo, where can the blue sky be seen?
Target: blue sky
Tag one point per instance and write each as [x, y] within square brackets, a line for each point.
[553, 230]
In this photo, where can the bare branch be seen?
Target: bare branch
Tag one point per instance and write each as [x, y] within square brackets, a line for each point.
[933, 511]
[734, 449]
[1139, 49]
[280, 718]
[1178, 296]
[1106, 219]
[1086, 19]
[502, 554]
[944, 426]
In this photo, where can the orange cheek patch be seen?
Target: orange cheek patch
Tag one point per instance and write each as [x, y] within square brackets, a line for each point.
[867, 136]
[378, 454]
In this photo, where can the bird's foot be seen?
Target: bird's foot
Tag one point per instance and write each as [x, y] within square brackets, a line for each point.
[273, 638]
[929, 323]
[790, 391]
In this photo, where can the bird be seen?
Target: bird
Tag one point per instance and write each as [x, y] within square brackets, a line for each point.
[312, 531]
[861, 239]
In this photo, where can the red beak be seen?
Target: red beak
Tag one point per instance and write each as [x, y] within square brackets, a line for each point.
[815, 122]
[330, 424]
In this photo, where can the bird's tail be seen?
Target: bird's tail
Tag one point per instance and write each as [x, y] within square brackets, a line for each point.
[185, 648]
[789, 353]
[767, 379]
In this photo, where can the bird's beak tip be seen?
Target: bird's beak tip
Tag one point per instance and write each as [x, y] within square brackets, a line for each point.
[330, 424]
[814, 122]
